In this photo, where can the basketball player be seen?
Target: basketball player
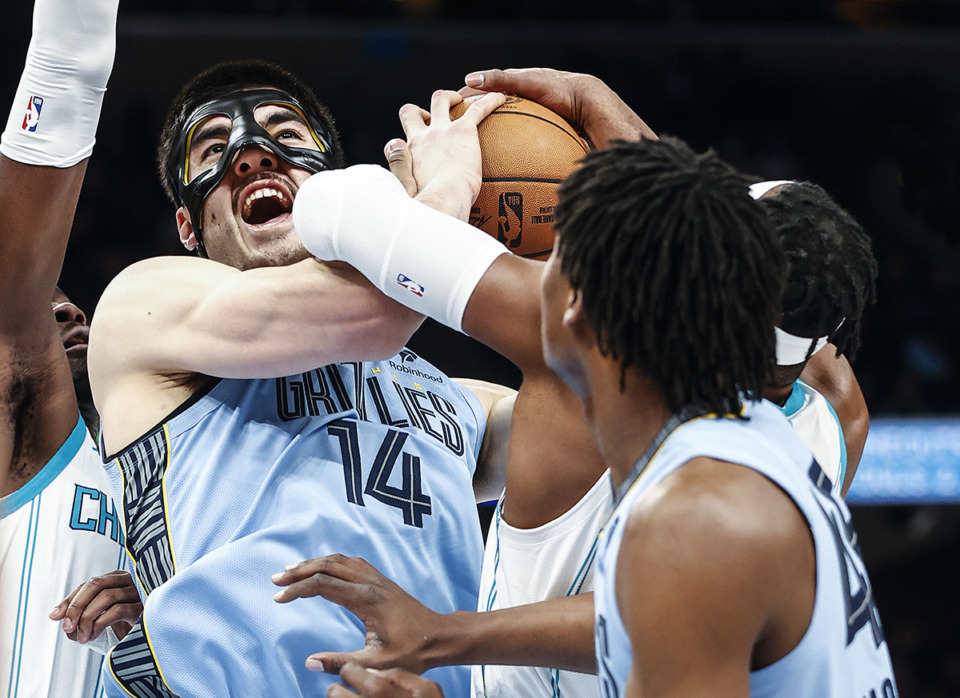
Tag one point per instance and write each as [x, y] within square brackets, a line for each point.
[830, 279]
[726, 547]
[737, 568]
[557, 493]
[844, 287]
[58, 527]
[234, 441]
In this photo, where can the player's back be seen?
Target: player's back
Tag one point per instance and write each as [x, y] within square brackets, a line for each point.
[372, 460]
[844, 639]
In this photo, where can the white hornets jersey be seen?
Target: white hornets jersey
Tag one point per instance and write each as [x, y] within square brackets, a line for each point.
[371, 460]
[56, 531]
[843, 652]
[814, 419]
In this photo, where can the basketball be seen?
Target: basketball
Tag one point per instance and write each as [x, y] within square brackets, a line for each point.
[527, 151]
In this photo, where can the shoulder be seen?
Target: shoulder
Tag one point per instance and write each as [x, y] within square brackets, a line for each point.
[714, 535]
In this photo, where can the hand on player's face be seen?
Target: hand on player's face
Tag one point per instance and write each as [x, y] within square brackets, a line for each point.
[445, 154]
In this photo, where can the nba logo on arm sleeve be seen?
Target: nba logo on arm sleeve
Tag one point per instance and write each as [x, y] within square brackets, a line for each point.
[410, 284]
[32, 117]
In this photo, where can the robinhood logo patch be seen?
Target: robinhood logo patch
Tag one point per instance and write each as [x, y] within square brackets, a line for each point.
[405, 356]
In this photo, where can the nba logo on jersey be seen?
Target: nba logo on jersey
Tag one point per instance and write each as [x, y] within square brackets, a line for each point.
[32, 117]
[410, 284]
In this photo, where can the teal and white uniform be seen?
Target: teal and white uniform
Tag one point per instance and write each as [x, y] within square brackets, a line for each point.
[843, 652]
[372, 460]
[526, 565]
[815, 420]
[56, 531]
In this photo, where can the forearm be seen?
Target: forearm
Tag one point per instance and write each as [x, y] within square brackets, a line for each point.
[557, 633]
[49, 133]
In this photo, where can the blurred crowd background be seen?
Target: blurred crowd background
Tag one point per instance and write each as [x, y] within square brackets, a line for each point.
[859, 96]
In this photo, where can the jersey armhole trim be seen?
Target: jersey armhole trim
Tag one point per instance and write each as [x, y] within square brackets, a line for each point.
[48, 473]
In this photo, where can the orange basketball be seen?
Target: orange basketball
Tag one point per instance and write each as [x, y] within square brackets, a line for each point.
[527, 152]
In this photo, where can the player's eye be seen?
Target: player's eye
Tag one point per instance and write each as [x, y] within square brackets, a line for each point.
[289, 134]
[212, 152]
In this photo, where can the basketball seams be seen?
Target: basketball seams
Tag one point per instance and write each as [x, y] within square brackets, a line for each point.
[542, 180]
[575, 138]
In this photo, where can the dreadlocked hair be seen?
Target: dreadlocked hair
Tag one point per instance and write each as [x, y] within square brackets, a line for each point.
[831, 272]
[222, 79]
[679, 271]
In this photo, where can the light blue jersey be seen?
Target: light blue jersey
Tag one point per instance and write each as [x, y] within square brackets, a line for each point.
[373, 460]
[843, 653]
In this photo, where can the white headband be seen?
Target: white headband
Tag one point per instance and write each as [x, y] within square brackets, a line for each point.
[760, 188]
[792, 350]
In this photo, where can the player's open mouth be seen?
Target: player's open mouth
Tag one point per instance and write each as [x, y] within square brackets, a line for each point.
[264, 204]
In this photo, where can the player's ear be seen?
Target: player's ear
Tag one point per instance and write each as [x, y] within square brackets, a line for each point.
[185, 227]
[573, 313]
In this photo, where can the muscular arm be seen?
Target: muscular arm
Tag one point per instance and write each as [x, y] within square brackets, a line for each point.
[166, 320]
[41, 170]
[833, 377]
[36, 211]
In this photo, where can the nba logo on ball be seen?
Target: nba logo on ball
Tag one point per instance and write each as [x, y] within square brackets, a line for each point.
[510, 225]
[32, 117]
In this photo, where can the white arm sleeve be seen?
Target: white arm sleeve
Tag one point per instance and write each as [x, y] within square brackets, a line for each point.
[54, 115]
[420, 257]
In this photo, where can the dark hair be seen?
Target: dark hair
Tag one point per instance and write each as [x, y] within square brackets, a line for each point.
[831, 271]
[222, 79]
[679, 271]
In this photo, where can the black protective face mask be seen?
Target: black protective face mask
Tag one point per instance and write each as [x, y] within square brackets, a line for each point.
[240, 107]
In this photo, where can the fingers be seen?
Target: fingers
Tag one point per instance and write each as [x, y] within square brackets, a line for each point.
[349, 582]
[401, 165]
[333, 662]
[440, 104]
[99, 602]
[482, 107]
[413, 119]
[383, 684]
[532, 83]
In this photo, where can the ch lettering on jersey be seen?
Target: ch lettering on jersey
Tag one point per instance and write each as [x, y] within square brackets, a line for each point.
[312, 394]
[94, 511]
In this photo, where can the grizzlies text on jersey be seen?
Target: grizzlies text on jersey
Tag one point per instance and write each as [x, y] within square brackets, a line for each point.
[372, 460]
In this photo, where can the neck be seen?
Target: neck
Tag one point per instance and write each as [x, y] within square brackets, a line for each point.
[778, 394]
[623, 423]
[90, 418]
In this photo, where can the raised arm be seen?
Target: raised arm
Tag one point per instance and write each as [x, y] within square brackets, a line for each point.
[585, 101]
[833, 377]
[49, 134]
